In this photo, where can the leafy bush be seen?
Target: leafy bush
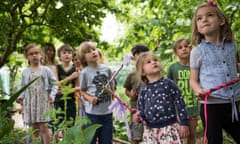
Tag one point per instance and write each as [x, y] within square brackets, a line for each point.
[6, 123]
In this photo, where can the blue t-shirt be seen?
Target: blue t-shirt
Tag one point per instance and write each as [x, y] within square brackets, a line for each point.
[216, 65]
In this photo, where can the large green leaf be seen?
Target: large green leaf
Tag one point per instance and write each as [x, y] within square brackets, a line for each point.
[14, 96]
[78, 135]
[6, 123]
[89, 132]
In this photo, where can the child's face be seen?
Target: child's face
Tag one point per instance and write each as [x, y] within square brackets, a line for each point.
[207, 21]
[50, 53]
[76, 61]
[182, 50]
[131, 94]
[151, 66]
[91, 56]
[34, 55]
[66, 56]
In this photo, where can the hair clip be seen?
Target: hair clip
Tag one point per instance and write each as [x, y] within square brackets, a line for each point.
[212, 3]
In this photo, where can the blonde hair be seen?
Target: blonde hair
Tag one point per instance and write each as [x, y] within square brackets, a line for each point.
[139, 66]
[100, 56]
[82, 50]
[225, 30]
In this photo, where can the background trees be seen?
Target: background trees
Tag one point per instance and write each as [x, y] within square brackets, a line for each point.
[39, 21]
[24, 21]
[167, 20]
[72, 21]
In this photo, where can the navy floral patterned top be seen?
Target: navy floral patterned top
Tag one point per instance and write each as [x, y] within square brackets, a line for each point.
[160, 102]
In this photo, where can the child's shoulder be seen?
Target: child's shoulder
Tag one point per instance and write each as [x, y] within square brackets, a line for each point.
[165, 81]
[26, 70]
[103, 66]
[173, 64]
[45, 68]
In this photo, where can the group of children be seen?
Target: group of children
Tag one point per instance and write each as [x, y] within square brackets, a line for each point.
[167, 110]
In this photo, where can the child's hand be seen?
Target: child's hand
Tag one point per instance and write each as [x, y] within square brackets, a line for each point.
[19, 101]
[51, 100]
[20, 110]
[93, 100]
[136, 117]
[77, 88]
[183, 131]
[74, 75]
[200, 94]
[131, 94]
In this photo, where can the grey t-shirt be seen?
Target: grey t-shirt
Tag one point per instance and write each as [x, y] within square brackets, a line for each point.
[92, 80]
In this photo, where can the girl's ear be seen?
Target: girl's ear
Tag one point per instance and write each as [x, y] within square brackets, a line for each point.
[222, 21]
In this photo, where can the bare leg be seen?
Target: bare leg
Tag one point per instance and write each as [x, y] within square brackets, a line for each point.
[35, 128]
[193, 122]
[45, 133]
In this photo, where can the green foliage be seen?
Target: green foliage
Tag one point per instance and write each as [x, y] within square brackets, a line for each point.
[74, 135]
[119, 130]
[41, 21]
[166, 21]
[6, 123]
[119, 127]
[16, 136]
[78, 135]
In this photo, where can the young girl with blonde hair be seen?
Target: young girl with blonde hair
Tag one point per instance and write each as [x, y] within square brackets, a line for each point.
[159, 103]
[38, 98]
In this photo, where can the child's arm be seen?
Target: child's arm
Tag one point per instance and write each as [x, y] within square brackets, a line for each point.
[73, 76]
[238, 67]
[77, 83]
[90, 99]
[22, 95]
[54, 88]
[112, 87]
[183, 131]
[194, 83]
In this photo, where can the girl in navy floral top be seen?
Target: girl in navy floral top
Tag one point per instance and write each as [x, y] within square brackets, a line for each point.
[159, 103]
